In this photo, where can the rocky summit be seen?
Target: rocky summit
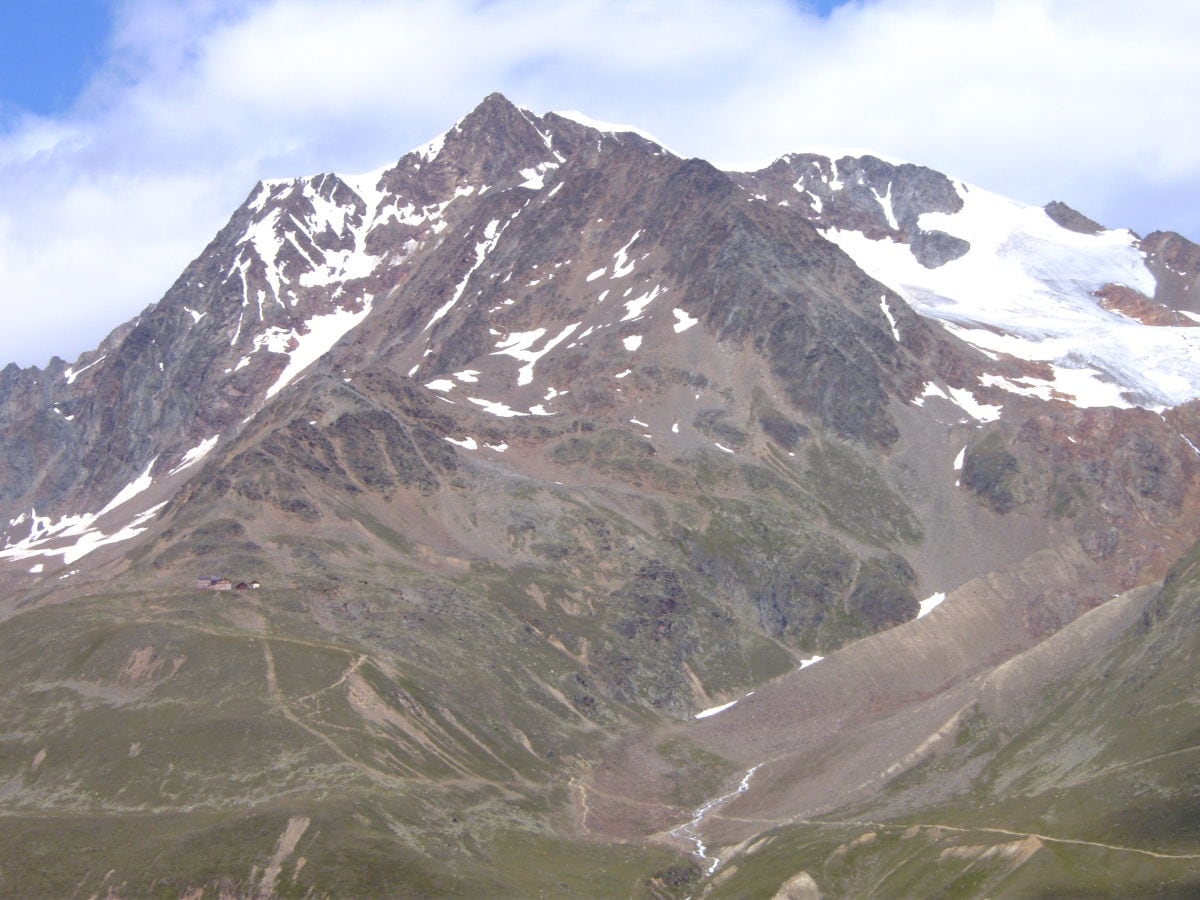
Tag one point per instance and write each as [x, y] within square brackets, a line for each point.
[544, 514]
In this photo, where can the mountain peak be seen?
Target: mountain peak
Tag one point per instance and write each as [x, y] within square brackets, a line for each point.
[542, 436]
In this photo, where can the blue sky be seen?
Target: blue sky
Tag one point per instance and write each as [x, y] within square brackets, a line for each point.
[131, 129]
[50, 48]
[48, 51]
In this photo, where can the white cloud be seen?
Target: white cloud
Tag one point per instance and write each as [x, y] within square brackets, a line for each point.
[1089, 102]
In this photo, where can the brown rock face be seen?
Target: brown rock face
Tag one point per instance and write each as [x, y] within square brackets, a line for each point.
[1135, 305]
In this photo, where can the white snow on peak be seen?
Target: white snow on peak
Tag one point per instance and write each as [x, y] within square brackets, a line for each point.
[263, 236]
[501, 410]
[519, 345]
[535, 177]
[131, 490]
[82, 527]
[885, 202]
[71, 373]
[634, 308]
[887, 312]
[430, 149]
[623, 265]
[830, 152]
[468, 443]
[1026, 288]
[323, 332]
[610, 128]
[810, 661]
[366, 185]
[632, 342]
[196, 454]
[930, 390]
[963, 399]
[982, 412]
[491, 234]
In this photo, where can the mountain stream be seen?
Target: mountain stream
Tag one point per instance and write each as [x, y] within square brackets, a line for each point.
[690, 830]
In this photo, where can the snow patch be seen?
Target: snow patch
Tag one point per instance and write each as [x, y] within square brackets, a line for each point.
[623, 265]
[323, 332]
[500, 410]
[491, 234]
[713, 710]
[519, 345]
[1026, 288]
[682, 321]
[131, 490]
[632, 343]
[82, 528]
[634, 308]
[888, 314]
[930, 603]
[610, 127]
[196, 454]
[71, 373]
[982, 412]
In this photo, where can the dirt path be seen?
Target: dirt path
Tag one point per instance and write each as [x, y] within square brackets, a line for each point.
[282, 704]
[980, 829]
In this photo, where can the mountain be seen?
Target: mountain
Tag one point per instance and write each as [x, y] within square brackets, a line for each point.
[600, 503]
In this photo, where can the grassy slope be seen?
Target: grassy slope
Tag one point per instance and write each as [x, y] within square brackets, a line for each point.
[157, 743]
[1090, 791]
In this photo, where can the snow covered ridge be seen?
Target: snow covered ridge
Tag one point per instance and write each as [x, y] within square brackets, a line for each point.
[611, 128]
[1026, 288]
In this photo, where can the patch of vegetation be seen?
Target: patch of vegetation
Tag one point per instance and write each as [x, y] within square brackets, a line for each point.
[882, 594]
[972, 726]
[715, 423]
[619, 453]
[699, 774]
[788, 435]
[857, 499]
[990, 472]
